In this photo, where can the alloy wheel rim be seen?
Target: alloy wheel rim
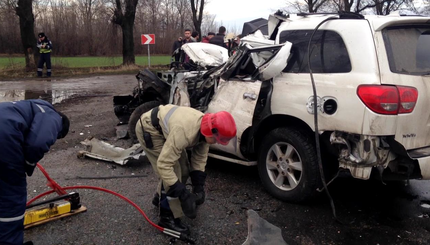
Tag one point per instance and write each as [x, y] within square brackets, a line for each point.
[284, 166]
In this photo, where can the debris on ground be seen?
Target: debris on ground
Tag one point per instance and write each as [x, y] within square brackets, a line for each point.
[262, 232]
[104, 151]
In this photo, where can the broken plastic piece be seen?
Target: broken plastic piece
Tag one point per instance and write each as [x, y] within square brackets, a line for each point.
[262, 232]
[104, 151]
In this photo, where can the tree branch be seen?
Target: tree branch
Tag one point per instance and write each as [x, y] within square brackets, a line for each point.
[118, 16]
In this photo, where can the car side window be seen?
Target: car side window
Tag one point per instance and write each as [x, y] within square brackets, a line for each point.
[328, 52]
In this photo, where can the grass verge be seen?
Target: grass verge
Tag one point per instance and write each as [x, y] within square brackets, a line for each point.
[14, 67]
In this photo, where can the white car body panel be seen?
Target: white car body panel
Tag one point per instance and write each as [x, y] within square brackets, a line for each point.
[379, 22]
[292, 90]
[206, 54]
[275, 66]
[257, 39]
[239, 98]
[412, 129]
[424, 163]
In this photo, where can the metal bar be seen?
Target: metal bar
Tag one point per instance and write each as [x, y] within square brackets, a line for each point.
[149, 58]
[71, 194]
[228, 159]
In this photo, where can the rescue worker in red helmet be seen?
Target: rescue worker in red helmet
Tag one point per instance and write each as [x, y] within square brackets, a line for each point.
[165, 133]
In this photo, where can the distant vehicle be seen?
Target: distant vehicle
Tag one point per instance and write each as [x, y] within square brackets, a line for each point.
[372, 76]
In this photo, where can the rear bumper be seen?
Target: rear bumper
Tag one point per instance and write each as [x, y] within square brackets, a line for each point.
[424, 164]
[422, 155]
[419, 153]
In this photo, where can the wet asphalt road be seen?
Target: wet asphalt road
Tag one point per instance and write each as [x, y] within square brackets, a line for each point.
[368, 211]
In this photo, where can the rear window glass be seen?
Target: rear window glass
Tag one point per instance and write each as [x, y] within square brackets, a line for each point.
[408, 49]
[328, 52]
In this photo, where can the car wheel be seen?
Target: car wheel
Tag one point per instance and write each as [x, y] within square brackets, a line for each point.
[288, 166]
[137, 113]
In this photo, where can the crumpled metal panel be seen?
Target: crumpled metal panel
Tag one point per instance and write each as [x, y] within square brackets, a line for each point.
[104, 151]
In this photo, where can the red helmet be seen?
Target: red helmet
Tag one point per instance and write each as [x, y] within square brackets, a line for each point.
[219, 125]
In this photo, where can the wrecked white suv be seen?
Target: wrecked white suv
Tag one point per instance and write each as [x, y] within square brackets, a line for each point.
[372, 83]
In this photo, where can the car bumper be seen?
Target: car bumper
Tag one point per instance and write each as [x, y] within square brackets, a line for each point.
[424, 164]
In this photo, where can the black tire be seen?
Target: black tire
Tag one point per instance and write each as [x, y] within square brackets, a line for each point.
[145, 107]
[292, 183]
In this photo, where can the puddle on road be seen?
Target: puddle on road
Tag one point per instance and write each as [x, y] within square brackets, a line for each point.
[52, 96]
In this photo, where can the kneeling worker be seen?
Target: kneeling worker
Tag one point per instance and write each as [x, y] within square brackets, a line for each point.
[28, 128]
[165, 133]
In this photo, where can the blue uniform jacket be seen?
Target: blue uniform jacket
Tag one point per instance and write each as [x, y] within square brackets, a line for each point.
[28, 128]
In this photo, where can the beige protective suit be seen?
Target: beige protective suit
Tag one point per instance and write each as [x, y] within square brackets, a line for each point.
[168, 157]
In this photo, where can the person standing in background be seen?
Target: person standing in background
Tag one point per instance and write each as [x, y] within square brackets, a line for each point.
[176, 49]
[45, 48]
[219, 38]
[195, 36]
[208, 37]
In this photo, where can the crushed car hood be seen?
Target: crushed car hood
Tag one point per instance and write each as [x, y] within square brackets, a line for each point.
[206, 54]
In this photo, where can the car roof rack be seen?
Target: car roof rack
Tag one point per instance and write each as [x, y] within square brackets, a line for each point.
[342, 15]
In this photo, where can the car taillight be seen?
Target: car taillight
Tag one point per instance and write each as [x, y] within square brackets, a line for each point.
[388, 100]
[408, 99]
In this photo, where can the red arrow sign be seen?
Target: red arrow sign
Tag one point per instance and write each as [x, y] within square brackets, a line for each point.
[148, 38]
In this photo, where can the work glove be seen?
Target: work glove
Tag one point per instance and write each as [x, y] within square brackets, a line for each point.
[188, 200]
[198, 179]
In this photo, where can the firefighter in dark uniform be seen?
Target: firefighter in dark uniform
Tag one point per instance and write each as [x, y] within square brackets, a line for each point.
[45, 48]
[28, 128]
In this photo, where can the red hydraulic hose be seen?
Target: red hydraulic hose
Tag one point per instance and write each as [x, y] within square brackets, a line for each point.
[51, 183]
[61, 191]
[105, 190]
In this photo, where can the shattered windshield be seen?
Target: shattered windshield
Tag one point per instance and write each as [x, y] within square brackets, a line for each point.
[408, 49]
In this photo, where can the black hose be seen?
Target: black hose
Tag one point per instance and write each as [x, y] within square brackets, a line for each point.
[317, 136]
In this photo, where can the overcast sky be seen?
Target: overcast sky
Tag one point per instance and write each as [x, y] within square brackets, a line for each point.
[236, 12]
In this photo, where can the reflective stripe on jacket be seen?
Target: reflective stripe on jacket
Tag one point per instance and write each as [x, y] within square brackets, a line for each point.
[48, 46]
[181, 129]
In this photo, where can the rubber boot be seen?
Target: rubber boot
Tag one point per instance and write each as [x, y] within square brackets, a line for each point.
[168, 221]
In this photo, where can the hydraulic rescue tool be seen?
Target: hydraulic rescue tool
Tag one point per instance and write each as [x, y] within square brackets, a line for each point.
[55, 208]
[71, 205]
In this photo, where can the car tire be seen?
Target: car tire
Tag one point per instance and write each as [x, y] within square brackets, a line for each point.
[292, 177]
[137, 113]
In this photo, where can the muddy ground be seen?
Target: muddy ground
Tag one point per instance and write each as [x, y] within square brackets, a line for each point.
[368, 212]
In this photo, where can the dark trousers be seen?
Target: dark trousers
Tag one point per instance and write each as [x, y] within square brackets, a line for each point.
[13, 198]
[44, 58]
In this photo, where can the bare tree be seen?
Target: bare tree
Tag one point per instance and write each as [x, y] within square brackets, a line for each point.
[342, 5]
[310, 6]
[88, 10]
[93, 27]
[26, 23]
[208, 24]
[314, 5]
[197, 5]
[381, 7]
[10, 37]
[125, 19]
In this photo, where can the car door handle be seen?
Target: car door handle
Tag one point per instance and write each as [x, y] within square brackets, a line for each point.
[251, 96]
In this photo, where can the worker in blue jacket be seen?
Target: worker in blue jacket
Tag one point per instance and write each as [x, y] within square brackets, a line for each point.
[28, 128]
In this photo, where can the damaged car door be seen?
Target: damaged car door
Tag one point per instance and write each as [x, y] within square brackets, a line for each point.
[240, 83]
